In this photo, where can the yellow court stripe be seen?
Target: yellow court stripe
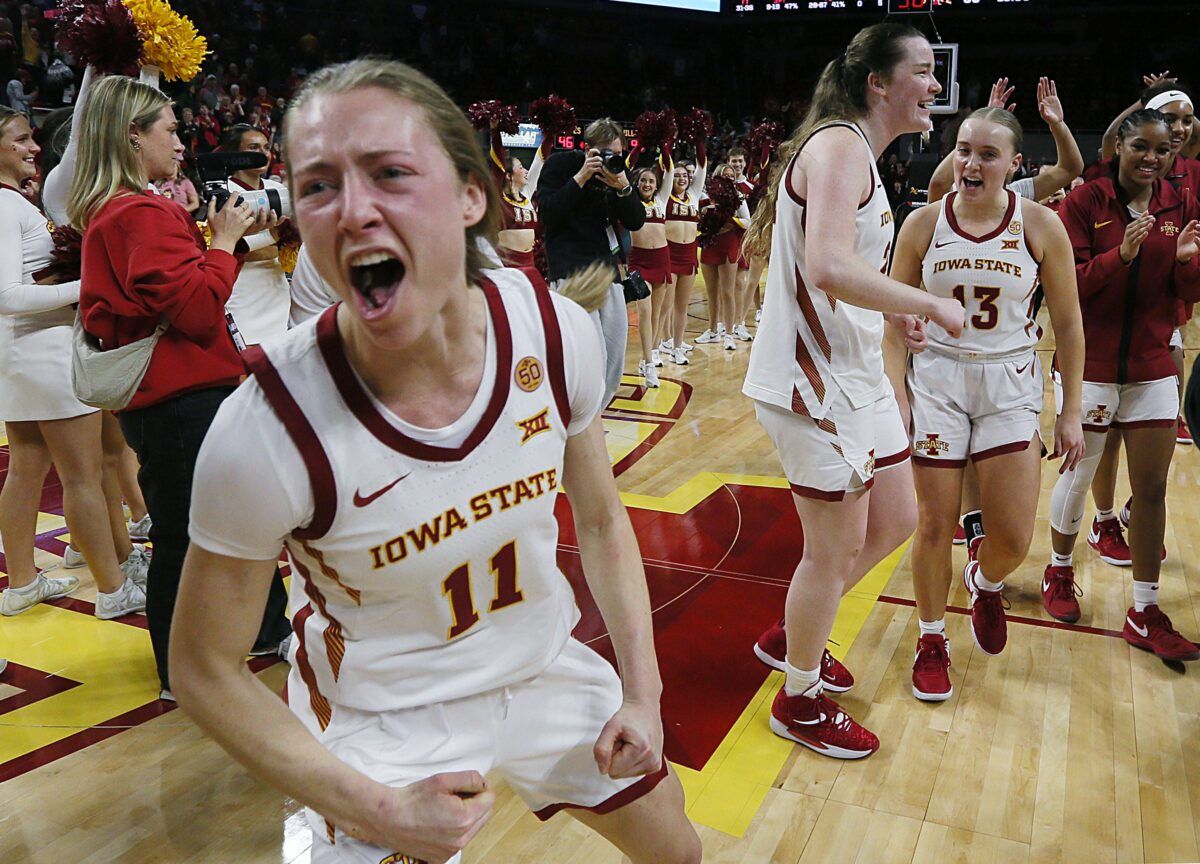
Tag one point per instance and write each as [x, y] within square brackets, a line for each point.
[112, 661]
[728, 792]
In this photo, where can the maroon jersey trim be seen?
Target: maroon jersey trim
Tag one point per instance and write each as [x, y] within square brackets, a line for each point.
[316, 461]
[991, 235]
[329, 340]
[555, 362]
[626, 796]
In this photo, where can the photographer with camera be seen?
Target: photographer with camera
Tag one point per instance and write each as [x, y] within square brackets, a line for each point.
[261, 299]
[150, 285]
[581, 199]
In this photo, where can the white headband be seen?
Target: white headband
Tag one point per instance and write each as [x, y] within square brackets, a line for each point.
[1170, 96]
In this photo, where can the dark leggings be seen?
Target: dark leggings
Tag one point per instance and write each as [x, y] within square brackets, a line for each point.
[166, 438]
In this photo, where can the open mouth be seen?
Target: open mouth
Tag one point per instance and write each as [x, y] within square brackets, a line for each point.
[970, 183]
[376, 276]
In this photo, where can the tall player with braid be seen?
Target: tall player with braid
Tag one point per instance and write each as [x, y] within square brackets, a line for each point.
[817, 372]
[978, 397]
[407, 447]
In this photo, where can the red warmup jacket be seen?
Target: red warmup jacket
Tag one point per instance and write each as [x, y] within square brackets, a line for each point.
[144, 257]
[1184, 176]
[1129, 310]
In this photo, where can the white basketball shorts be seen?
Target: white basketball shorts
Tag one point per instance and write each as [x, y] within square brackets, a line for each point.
[537, 735]
[964, 409]
[1126, 406]
[825, 459]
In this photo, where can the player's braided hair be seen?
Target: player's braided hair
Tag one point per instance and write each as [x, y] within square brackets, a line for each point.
[1138, 119]
[840, 94]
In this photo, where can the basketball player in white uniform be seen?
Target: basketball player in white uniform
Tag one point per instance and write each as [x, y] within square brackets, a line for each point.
[407, 447]
[978, 396]
[816, 371]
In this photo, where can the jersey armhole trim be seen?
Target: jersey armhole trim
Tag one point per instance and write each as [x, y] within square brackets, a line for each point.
[555, 361]
[316, 460]
[787, 175]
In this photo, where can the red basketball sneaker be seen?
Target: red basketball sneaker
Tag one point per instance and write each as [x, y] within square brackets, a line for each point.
[960, 535]
[820, 724]
[1108, 540]
[771, 649]
[1182, 434]
[1123, 515]
[973, 548]
[1059, 592]
[987, 613]
[1152, 631]
[931, 669]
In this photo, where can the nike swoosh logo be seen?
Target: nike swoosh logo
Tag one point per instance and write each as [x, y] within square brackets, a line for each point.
[1021, 370]
[1141, 631]
[1045, 586]
[361, 500]
[1100, 225]
[945, 243]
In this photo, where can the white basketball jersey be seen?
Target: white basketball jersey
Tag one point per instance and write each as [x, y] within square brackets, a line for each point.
[427, 573]
[993, 276]
[809, 343]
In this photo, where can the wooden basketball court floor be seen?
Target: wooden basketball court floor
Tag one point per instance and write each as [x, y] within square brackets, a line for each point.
[1071, 746]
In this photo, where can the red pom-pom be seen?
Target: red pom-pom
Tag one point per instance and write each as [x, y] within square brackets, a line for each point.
[725, 199]
[764, 139]
[68, 257]
[289, 234]
[695, 126]
[505, 118]
[101, 33]
[655, 128]
[553, 115]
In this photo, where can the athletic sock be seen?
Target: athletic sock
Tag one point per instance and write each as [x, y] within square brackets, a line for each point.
[972, 524]
[933, 628]
[1057, 560]
[27, 589]
[802, 682]
[1144, 594]
[983, 584]
[1105, 515]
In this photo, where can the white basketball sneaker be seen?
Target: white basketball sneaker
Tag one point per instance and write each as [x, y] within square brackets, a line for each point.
[14, 601]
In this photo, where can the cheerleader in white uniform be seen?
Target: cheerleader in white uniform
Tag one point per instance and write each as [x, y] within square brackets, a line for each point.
[42, 417]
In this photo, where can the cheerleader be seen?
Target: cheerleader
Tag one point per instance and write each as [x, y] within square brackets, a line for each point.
[519, 233]
[719, 266]
[649, 257]
[816, 371]
[978, 397]
[42, 418]
[1136, 245]
[683, 218]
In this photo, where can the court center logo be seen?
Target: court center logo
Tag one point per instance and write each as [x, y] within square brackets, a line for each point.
[528, 374]
[933, 446]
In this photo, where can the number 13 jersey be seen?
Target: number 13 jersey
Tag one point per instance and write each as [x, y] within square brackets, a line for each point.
[994, 276]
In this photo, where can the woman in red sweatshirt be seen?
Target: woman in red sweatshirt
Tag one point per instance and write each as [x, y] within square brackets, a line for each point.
[145, 261]
[1136, 245]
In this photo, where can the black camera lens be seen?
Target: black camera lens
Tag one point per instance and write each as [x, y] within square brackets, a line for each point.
[614, 163]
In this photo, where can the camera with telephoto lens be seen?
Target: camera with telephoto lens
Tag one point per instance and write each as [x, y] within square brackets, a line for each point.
[216, 168]
[613, 163]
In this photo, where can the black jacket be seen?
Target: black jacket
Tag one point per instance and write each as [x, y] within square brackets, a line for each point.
[574, 219]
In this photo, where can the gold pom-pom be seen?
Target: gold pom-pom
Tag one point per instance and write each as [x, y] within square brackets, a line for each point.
[206, 233]
[288, 255]
[169, 40]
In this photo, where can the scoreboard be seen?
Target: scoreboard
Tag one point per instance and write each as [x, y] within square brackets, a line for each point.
[887, 7]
